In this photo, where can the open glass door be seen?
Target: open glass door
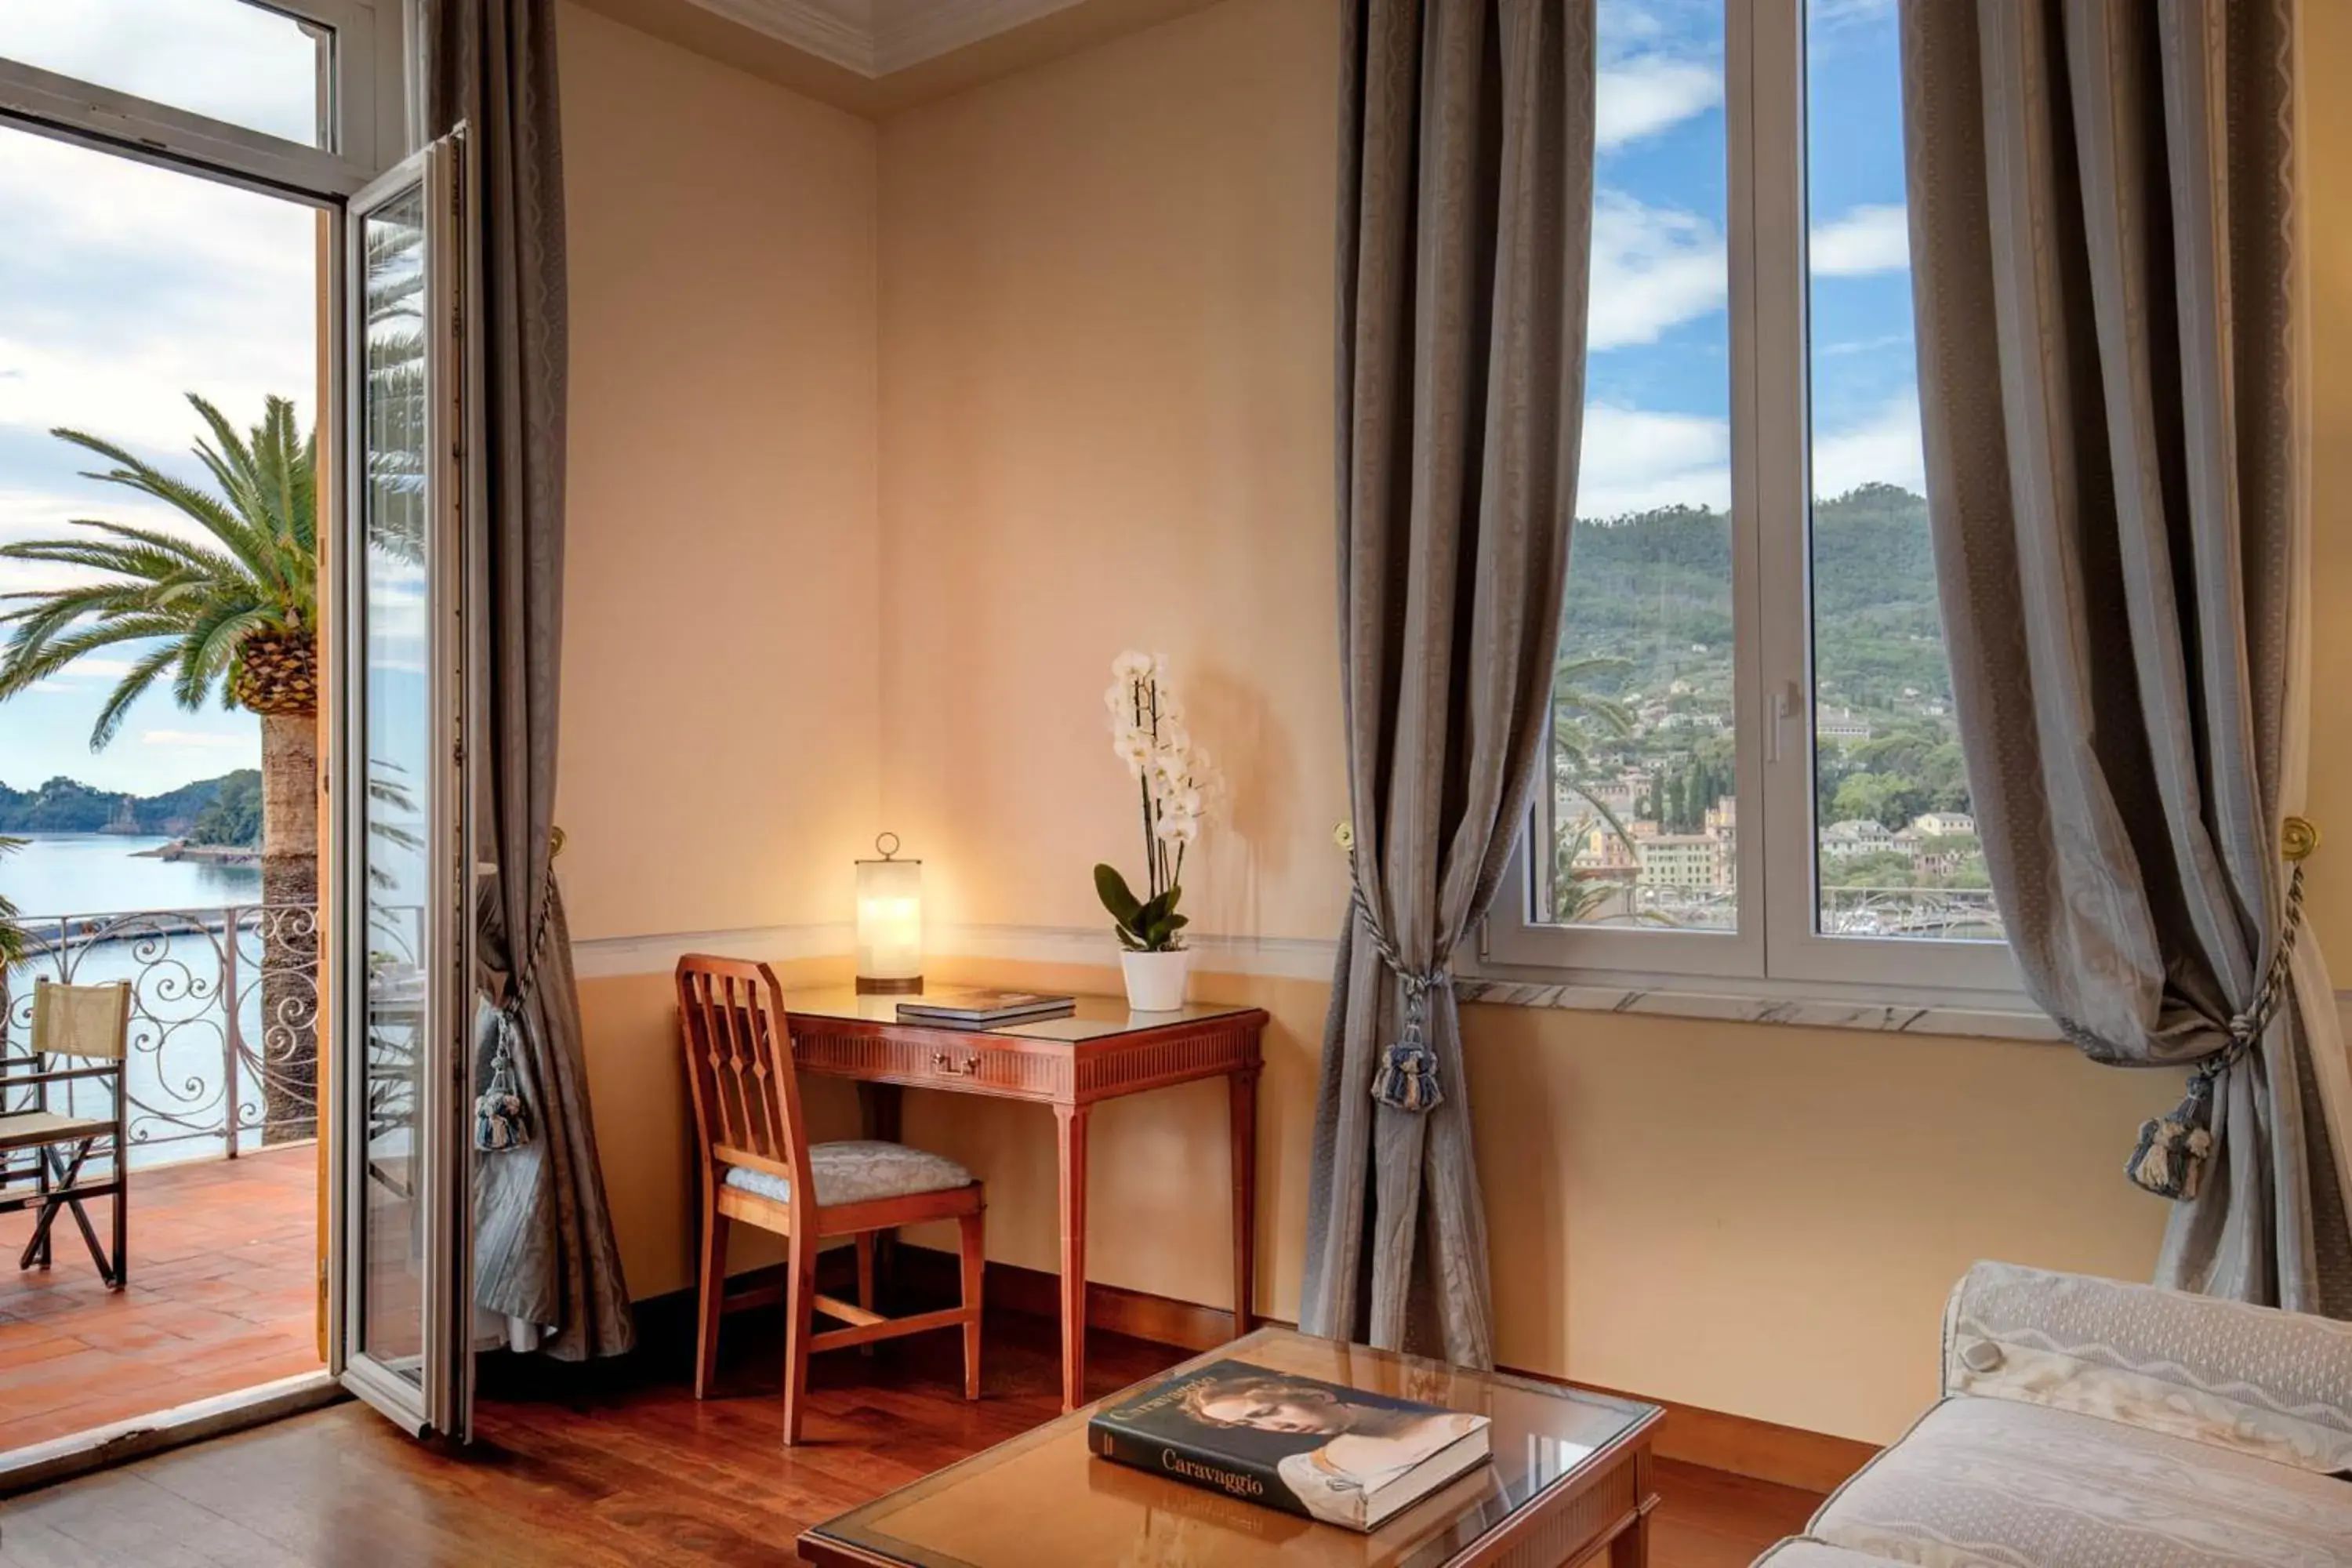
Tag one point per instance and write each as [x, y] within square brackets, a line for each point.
[402, 889]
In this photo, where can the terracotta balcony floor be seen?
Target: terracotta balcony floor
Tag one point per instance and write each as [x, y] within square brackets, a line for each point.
[224, 1264]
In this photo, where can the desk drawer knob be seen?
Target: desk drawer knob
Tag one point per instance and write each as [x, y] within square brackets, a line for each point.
[968, 1067]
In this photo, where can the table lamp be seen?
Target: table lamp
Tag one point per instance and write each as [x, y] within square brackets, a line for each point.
[889, 922]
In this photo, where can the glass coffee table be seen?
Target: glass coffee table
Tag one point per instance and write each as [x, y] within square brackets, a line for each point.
[1570, 1477]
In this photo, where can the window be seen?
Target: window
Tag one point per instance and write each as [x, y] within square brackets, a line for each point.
[304, 95]
[223, 58]
[1751, 639]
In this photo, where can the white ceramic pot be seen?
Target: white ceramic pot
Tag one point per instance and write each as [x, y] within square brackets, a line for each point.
[1155, 981]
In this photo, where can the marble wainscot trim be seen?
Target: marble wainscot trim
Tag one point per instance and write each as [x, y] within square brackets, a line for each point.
[1733, 1008]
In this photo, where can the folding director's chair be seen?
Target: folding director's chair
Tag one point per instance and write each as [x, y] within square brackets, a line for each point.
[81, 1032]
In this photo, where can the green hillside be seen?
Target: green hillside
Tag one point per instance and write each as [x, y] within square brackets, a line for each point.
[1654, 588]
[212, 810]
[1650, 597]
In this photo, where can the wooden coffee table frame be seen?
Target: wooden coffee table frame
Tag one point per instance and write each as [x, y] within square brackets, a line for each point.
[1602, 1505]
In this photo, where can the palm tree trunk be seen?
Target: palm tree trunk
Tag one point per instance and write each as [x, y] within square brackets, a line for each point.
[288, 1044]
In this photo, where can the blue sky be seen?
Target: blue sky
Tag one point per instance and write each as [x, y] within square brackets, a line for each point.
[1657, 381]
[121, 288]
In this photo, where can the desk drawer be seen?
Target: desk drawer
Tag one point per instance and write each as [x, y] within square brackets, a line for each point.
[934, 1059]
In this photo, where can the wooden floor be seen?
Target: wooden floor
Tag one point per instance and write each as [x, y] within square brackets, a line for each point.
[632, 1471]
[222, 1270]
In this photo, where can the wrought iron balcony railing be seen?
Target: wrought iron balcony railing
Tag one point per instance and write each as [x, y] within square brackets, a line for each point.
[224, 1038]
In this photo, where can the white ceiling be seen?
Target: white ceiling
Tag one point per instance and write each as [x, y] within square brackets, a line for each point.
[875, 37]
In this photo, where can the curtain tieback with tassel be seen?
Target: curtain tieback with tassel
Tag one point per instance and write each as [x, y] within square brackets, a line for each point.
[502, 1118]
[2173, 1150]
[1408, 1077]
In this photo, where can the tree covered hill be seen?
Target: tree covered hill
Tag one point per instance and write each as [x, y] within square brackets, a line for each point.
[1654, 588]
[225, 810]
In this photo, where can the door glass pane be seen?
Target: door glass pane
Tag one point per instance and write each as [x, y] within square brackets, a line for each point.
[1898, 850]
[1641, 808]
[395, 724]
[225, 58]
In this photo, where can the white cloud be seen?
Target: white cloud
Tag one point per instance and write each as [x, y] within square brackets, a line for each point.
[1883, 448]
[196, 740]
[1822, 14]
[1865, 240]
[83, 673]
[1861, 345]
[1653, 267]
[130, 286]
[240, 63]
[1644, 94]
[43, 514]
[1634, 459]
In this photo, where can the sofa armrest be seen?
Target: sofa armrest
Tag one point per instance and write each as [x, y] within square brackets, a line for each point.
[2253, 1379]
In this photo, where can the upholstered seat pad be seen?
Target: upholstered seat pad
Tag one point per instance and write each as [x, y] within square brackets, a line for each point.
[1996, 1483]
[858, 1171]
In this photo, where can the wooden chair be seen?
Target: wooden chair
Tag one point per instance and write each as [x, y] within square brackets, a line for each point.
[89, 1025]
[758, 1166]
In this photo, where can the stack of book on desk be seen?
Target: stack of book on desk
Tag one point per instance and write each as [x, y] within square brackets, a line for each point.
[1345, 1455]
[985, 1009]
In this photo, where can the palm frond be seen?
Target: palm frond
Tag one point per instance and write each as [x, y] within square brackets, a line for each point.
[12, 935]
[252, 570]
[22, 667]
[127, 691]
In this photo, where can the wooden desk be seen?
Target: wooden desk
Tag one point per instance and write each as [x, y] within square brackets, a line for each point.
[1072, 1063]
[1570, 1480]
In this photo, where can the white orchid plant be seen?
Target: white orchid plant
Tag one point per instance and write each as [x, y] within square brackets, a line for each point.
[1177, 786]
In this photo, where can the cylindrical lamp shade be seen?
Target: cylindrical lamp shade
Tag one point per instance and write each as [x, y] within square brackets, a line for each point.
[889, 925]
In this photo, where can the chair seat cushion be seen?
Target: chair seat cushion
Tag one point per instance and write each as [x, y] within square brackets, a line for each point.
[31, 1129]
[858, 1171]
[1996, 1483]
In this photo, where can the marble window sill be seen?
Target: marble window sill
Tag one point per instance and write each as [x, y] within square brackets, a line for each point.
[1723, 1002]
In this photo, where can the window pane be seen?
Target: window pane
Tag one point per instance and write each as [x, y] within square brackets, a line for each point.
[1898, 850]
[225, 58]
[1641, 805]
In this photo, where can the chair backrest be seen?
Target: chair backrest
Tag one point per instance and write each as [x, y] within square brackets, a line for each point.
[738, 1060]
[93, 1021]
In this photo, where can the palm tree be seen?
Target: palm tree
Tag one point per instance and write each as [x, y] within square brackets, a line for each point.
[228, 616]
[1582, 719]
[12, 935]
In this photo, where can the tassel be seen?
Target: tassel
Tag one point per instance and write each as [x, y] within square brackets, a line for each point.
[501, 1120]
[2171, 1158]
[1409, 1080]
[2173, 1150]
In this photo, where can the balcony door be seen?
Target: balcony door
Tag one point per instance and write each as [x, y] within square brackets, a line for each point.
[403, 579]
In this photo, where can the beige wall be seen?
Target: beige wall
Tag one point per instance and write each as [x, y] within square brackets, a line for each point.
[1105, 412]
[2328, 187]
[722, 542]
[1103, 319]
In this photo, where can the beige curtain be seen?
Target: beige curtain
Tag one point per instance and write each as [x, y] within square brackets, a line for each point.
[1466, 141]
[544, 1250]
[2101, 223]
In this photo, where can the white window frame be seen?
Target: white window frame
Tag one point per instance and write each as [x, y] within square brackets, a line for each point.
[364, 111]
[1776, 951]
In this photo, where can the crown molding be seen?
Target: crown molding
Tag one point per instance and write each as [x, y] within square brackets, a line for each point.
[839, 31]
[907, 33]
[875, 38]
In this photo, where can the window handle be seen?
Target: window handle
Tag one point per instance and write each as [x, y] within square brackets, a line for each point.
[1787, 703]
